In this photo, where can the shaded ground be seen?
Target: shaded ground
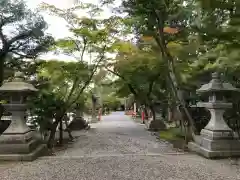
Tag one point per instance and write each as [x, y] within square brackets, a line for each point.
[117, 148]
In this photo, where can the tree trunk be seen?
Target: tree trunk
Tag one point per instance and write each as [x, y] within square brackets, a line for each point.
[94, 111]
[51, 139]
[61, 132]
[153, 112]
[68, 130]
[145, 113]
[172, 74]
[170, 114]
[174, 86]
[2, 57]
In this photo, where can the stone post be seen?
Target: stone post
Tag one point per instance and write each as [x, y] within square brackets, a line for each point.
[94, 104]
[135, 108]
[18, 141]
[125, 104]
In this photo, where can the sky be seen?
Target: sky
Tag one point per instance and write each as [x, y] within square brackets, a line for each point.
[57, 26]
[55, 23]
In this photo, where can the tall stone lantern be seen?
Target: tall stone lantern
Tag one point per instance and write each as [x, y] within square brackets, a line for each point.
[216, 140]
[18, 141]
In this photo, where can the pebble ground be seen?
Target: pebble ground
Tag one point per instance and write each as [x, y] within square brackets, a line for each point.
[119, 149]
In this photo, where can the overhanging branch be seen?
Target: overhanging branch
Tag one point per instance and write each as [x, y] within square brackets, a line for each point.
[123, 78]
[89, 79]
[21, 36]
[23, 55]
[87, 82]
[75, 82]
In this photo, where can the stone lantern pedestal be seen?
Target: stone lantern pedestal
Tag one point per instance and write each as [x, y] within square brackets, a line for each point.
[216, 140]
[18, 141]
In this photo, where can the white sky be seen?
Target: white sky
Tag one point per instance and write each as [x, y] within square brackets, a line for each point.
[57, 26]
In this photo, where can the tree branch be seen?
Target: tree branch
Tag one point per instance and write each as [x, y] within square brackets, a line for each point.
[88, 81]
[19, 45]
[21, 36]
[123, 78]
[115, 73]
[7, 20]
[84, 48]
[75, 81]
[152, 81]
[150, 88]
[4, 42]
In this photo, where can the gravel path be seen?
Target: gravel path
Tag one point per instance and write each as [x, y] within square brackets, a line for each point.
[119, 149]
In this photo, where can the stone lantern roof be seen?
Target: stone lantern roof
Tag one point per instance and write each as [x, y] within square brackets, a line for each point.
[17, 85]
[215, 85]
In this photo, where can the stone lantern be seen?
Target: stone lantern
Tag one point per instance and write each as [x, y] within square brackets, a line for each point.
[216, 139]
[18, 141]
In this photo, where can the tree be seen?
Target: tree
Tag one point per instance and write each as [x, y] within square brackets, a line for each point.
[56, 96]
[111, 102]
[205, 34]
[139, 71]
[105, 86]
[218, 36]
[21, 33]
[91, 39]
[150, 18]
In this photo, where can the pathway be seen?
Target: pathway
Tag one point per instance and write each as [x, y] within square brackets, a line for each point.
[119, 149]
